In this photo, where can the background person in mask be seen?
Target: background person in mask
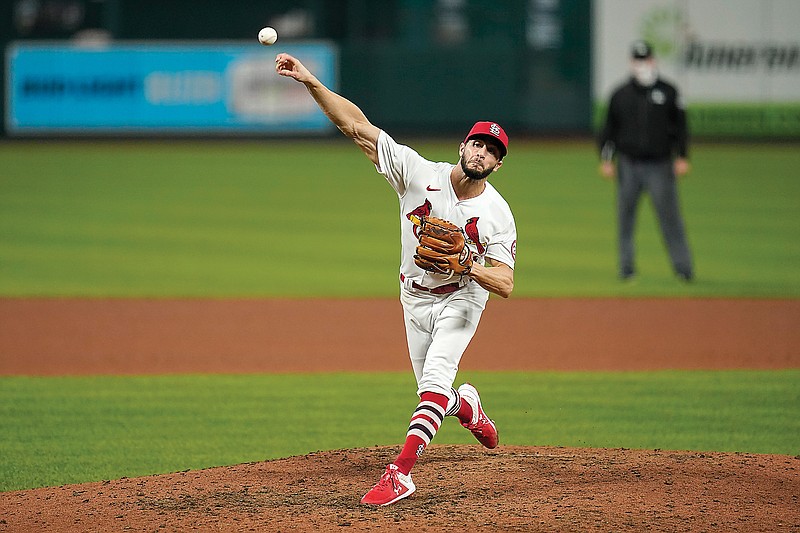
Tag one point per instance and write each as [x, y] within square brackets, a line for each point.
[646, 132]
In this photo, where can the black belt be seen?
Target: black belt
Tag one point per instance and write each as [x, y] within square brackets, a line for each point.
[649, 158]
[441, 289]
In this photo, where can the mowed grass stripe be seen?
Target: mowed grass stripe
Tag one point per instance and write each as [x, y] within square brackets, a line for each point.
[313, 218]
[75, 429]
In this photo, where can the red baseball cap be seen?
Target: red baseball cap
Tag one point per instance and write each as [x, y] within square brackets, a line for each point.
[490, 129]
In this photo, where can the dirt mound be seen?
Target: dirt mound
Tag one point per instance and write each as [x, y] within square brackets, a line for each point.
[460, 488]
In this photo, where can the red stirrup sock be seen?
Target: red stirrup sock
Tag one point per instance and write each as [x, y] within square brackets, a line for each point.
[464, 413]
[424, 424]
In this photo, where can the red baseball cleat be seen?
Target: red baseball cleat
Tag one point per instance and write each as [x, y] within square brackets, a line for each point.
[393, 486]
[480, 426]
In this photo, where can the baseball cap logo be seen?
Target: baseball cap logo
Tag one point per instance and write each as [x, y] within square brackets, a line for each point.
[490, 129]
[641, 50]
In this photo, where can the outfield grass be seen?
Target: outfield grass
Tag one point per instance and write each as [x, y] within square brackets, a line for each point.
[313, 218]
[76, 429]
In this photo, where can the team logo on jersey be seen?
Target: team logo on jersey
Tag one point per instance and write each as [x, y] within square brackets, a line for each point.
[471, 229]
[658, 97]
[422, 211]
[514, 250]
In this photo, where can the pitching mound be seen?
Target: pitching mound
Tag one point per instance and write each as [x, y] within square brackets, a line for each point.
[460, 488]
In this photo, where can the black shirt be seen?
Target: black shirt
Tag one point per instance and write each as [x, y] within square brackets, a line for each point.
[644, 122]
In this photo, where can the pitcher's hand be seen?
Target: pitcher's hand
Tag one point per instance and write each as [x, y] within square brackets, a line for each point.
[291, 67]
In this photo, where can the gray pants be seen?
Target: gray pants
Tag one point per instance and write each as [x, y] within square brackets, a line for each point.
[634, 176]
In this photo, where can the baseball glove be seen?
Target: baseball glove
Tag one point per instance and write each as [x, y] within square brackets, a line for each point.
[442, 248]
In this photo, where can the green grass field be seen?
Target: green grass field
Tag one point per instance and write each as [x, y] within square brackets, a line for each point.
[73, 429]
[279, 218]
[256, 219]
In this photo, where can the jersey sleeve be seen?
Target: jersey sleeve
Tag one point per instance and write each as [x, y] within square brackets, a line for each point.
[397, 163]
[503, 247]
[607, 136]
[681, 141]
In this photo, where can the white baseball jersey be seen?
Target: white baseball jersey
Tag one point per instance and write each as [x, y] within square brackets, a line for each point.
[424, 188]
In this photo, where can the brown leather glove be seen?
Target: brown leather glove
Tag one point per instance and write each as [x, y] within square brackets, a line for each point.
[442, 248]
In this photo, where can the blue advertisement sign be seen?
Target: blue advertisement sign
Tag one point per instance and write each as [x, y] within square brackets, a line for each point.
[162, 88]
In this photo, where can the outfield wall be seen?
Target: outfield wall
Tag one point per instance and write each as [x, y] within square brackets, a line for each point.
[418, 66]
[428, 67]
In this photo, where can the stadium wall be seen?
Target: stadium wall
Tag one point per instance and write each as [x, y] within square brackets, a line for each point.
[428, 66]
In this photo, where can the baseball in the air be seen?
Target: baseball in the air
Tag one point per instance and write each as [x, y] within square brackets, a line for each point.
[267, 36]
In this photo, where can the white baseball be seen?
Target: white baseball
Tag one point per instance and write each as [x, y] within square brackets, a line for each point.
[267, 36]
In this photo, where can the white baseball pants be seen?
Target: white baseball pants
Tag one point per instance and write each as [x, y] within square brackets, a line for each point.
[438, 330]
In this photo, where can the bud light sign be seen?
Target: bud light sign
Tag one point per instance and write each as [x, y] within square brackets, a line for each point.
[162, 88]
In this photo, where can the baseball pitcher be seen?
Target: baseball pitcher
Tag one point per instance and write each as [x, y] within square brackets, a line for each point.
[458, 243]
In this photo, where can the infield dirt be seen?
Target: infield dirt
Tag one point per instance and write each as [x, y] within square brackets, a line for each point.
[460, 488]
